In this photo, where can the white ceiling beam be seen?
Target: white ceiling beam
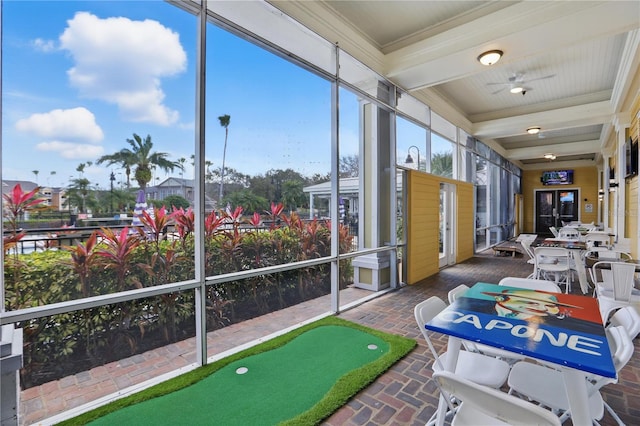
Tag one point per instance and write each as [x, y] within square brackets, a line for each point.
[567, 148]
[562, 118]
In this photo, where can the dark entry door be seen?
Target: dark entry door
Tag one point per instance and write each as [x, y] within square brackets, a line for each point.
[554, 207]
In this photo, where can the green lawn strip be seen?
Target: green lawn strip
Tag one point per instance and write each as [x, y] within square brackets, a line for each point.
[340, 392]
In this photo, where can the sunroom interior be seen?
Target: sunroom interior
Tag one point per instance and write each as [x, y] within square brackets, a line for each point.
[444, 158]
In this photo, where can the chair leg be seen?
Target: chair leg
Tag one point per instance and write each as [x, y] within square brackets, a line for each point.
[613, 414]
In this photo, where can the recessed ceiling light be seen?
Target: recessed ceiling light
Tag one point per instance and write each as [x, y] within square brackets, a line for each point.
[490, 57]
[533, 130]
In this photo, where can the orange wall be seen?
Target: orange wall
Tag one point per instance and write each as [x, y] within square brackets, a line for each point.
[584, 178]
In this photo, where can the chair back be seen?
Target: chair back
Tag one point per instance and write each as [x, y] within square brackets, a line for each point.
[623, 280]
[531, 284]
[569, 233]
[554, 231]
[618, 275]
[597, 239]
[628, 318]
[454, 293]
[424, 312]
[481, 404]
[620, 345]
[547, 256]
[614, 254]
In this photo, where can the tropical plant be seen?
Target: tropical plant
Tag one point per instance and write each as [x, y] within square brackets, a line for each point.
[116, 253]
[82, 259]
[17, 202]
[212, 223]
[155, 225]
[142, 158]
[276, 211]
[184, 222]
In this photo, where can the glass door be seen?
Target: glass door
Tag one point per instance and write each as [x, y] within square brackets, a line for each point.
[447, 218]
[554, 207]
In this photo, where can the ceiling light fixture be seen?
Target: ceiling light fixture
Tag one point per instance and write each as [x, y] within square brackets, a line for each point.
[490, 57]
[516, 89]
[550, 156]
[533, 130]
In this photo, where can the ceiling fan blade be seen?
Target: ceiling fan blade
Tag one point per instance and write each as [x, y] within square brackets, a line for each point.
[497, 84]
[542, 78]
[498, 91]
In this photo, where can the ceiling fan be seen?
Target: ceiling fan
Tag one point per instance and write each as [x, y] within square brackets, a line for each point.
[517, 83]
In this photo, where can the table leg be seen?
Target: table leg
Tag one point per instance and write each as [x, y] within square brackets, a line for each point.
[576, 389]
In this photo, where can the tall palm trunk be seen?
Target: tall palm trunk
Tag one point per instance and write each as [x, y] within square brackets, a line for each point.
[224, 154]
[224, 122]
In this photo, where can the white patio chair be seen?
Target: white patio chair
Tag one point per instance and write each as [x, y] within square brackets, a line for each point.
[476, 367]
[481, 369]
[485, 406]
[531, 284]
[553, 262]
[617, 289]
[546, 385]
[554, 231]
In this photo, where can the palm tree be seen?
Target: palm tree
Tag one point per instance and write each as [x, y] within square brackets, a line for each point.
[142, 158]
[224, 122]
[81, 167]
[35, 172]
[442, 164]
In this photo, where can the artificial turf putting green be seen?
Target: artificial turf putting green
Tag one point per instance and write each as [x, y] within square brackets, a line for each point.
[298, 378]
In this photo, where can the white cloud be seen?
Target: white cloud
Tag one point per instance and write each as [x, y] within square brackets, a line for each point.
[44, 45]
[76, 124]
[72, 151]
[122, 61]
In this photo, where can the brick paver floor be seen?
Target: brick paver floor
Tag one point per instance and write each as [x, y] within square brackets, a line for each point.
[404, 395]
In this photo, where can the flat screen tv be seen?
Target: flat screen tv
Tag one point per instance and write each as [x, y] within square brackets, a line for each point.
[557, 177]
[631, 158]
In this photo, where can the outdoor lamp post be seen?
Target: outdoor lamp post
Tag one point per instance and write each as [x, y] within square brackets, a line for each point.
[409, 159]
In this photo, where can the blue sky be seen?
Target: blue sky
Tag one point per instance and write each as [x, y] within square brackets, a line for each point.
[79, 78]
